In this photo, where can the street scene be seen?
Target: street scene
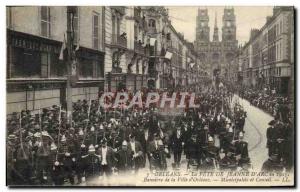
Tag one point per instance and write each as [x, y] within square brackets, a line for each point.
[108, 95]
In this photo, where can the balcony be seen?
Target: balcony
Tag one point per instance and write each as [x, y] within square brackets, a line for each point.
[119, 41]
[153, 73]
[116, 70]
[152, 30]
[138, 48]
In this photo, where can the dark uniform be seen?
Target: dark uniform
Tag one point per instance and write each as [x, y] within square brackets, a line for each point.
[241, 150]
[125, 159]
[177, 140]
[271, 138]
[273, 164]
[91, 164]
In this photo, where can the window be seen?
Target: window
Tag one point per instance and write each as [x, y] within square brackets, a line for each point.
[277, 54]
[152, 23]
[86, 68]
[45, 61]
[280, 50]
[228, 23]
[25, 63]
[98, 65]
[45, 21]
[116, 24]
[96, 31]
[58, 68]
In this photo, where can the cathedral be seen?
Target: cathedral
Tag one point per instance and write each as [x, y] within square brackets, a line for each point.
[217, 54]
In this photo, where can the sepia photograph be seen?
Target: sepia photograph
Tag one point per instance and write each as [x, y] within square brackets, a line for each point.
[150, 96]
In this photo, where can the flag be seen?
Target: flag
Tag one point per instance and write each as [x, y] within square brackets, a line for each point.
[77, 47]
[63, 47]
[168, 55]
[152, 41]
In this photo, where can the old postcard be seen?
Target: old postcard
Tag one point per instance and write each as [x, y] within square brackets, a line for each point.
[140, 96]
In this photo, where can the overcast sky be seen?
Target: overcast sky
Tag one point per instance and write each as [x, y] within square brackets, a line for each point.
[184, 20]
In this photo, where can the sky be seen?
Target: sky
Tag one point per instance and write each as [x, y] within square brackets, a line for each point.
[184, 20]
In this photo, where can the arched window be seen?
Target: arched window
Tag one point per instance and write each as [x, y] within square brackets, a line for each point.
[115, 60]
[215, 56]
[229, 57]
[152, 23]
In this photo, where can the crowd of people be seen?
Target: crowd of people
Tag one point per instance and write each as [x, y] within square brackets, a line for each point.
[269, 101]
[45, 149]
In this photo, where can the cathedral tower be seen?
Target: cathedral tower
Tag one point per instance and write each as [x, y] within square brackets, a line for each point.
[202, 29]
[229, 27]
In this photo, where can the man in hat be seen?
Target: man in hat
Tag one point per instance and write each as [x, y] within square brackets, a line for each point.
[157, 152]
[177, 143]
[11, 158]
[114, 140]
[241, 150]
[80, 159]
[271, 137]
[137, 152]
[69, 165]
[108, 159]
[211, 155]
[124, 156]
[202, 136]
[55, 167]
[228, 138]
[23, 163]
[43, 151]
[193, 150]
[91, 164]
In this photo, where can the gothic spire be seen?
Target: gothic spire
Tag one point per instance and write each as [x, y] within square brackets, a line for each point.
[216, 30]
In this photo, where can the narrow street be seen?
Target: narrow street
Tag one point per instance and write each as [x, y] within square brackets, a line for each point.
[255, 132]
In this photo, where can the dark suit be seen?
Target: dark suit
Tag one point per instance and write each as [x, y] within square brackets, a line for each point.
[242, 150]
[176, 142]
[110, 160]
[157, 155]
[138, 161]
[124, 160]
[271, 140]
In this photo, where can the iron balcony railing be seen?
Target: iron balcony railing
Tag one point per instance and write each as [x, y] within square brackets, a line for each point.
[118, 40]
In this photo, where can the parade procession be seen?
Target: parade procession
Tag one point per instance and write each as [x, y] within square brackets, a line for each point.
[43, 149]
[106, 95]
